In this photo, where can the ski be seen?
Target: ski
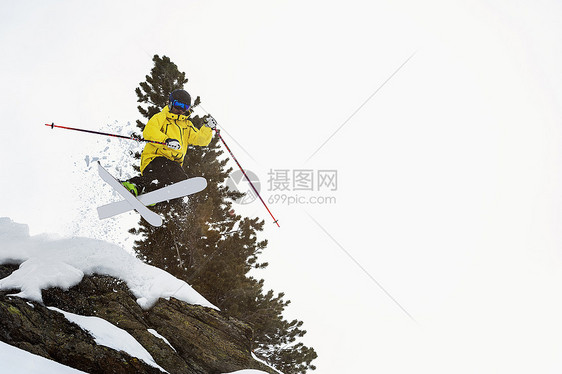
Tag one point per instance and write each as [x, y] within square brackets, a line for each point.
[150, 217]
[174, 191]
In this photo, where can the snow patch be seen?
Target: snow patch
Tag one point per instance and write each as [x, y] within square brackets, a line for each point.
[109, 335]
[47, 261]
[18, 361]
[37, 273]
[265, 363]
[155, 333]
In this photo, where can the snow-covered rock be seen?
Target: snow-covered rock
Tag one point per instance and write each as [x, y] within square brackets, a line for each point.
[92, 306]
[47, 261]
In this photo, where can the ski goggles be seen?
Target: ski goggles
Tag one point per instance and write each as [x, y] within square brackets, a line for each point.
[180, 105]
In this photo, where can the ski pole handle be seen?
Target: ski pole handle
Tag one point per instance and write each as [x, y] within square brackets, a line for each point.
[52, 125]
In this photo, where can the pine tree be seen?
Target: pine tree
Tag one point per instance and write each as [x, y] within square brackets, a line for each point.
[204, 242]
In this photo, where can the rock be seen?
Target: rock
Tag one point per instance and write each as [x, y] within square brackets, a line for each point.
[6, 270]
[202, 340]
[34, 328]
[208, 342]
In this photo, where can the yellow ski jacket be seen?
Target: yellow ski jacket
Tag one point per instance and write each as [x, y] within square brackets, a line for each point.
[166, 125]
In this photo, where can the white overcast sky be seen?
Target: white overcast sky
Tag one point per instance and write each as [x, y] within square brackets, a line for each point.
[442, 118]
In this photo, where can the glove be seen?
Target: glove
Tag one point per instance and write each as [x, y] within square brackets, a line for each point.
[211, 123]
[173, 143]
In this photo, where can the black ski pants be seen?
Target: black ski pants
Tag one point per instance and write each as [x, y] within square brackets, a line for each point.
[160, 172]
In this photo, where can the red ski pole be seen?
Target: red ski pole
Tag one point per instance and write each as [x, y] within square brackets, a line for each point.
[52, 125]
[245, 175]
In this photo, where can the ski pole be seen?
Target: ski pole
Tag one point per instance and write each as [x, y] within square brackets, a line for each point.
[217, 131]
[52, 125]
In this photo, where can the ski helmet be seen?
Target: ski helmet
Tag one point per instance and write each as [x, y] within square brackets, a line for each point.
[179, 98]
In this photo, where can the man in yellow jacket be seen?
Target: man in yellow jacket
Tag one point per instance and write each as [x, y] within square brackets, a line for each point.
[161, 165]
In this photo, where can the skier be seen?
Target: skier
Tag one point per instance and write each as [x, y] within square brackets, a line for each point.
[161, 165]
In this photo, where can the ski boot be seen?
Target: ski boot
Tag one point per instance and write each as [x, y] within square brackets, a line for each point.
[131, 187]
